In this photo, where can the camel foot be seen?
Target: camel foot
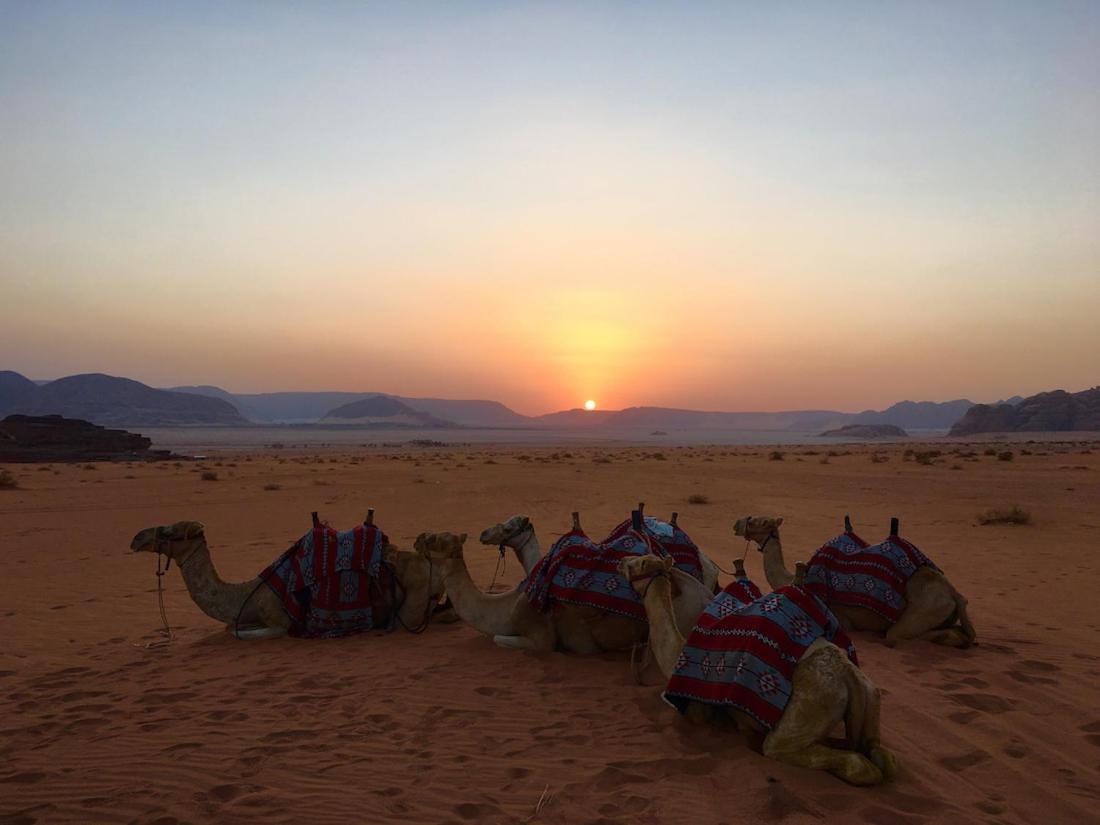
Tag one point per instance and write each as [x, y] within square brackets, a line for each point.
[253, 633]
[857, 769]
[884, 760]
[515, 642]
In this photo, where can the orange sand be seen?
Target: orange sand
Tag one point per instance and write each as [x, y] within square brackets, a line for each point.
[446, 727]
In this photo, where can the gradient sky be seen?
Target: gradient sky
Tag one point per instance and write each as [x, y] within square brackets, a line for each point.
[739, 206]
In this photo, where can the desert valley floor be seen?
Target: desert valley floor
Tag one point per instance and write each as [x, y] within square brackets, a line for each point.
[98, 726]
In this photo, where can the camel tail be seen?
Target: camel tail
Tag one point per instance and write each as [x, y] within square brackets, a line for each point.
[861, 719]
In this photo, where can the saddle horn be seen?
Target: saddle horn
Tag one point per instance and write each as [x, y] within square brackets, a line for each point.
[641, 508]
[316, 520]
[576, 521]
[675, 516]
[739, 569]
[847, 525]
[636, 520]
[369, 520]
[894, 526]
[799, 573]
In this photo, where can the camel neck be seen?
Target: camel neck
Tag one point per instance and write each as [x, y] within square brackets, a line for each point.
[527, 550]
[488, 613]
[664, 636]
[217, 599]
[774, 568]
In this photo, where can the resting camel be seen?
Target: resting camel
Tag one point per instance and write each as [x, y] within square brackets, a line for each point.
[932, 604]
[518, 533]
[249, 609]
[511, 620]
[826, 689]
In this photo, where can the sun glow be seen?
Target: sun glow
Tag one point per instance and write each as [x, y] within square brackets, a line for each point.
[590, 405]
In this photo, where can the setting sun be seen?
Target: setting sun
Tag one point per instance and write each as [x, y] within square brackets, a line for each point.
[590, 405]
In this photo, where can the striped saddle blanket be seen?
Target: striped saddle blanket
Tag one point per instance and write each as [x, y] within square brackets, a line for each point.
[333, 583]
[577, 570]
[849, 572]
[745, 647]
[668, 539]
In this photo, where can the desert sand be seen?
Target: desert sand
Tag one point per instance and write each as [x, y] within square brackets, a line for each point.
[98, 723]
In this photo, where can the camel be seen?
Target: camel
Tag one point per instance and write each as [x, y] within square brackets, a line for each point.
[518, 534]
[932, 604]
[249, 609]
[512, 622]
[826, 689]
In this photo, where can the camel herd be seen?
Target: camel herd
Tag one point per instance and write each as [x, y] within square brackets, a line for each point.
[826, 687]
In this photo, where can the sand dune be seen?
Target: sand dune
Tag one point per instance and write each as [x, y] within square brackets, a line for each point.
[96, 726]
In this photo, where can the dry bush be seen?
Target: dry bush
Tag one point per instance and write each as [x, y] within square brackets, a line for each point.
[878, 458]
[698, 498]
[1012, 515]
[7, 481]
[776, 455]
[1005, 456]
[271, 487]
[989, 451]
[209, 475]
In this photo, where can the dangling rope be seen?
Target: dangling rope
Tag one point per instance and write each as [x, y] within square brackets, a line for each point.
[501, 566]
[743, 556]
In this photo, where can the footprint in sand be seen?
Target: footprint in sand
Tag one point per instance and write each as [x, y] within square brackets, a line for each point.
[964, 760]
[1092, 733]
[983, 702]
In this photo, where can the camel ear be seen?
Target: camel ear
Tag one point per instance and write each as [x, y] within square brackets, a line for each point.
[779, 521]
[421, 544]
[462, 538]
[668, 563]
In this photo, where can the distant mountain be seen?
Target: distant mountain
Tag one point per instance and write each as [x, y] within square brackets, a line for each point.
[917, 415]
[866, 431]
[381, 410]
[468, 413]
[1054, 411]
[111, 401]
[666, 418]
[16, 392]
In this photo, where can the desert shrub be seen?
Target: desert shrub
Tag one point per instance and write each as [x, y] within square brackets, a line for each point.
[1005, 456]
[1012, 515]
[658, 457]
[88, 467]
[927, 458]
[8, 481]
[601, 459]
[209, 475]
[489, 461]
[272, 487]
[878, 458]
[698, 498]
[824, 459]
[956, 466]
[776, 455]
[989, 451]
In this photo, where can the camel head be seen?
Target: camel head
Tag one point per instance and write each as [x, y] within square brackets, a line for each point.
[640, 570]
[438, 547]
[506, 531]
[173, 540]
[757, 528]
[416, 571]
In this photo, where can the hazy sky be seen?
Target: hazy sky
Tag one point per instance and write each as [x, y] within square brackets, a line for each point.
[717, 206]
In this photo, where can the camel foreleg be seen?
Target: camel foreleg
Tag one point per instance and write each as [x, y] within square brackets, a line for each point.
[819, 700]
